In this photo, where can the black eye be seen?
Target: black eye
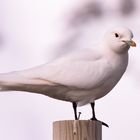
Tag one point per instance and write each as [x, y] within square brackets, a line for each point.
[116, 35]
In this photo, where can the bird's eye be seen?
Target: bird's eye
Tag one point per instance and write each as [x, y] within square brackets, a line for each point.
[116, 35]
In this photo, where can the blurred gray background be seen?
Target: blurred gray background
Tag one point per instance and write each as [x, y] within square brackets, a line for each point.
[33, 32]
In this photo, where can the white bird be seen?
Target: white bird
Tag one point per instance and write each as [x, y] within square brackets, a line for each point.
[81, 76]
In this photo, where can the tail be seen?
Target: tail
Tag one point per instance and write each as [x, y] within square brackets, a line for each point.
[15, 81]
[7, 80]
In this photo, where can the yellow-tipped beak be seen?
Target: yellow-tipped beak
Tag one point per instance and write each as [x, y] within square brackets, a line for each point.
[131, 43]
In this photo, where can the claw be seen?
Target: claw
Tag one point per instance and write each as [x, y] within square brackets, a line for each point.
[79, 115]
[94, 119]
[105, 124]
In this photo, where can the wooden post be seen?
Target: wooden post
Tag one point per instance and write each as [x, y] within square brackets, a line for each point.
[77, 130]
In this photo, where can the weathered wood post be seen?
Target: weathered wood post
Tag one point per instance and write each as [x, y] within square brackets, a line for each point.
[77, 130]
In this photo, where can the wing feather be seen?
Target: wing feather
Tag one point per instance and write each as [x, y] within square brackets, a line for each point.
[79, 71]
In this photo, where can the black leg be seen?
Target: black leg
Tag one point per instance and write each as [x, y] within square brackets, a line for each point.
[93, 111]
[93, 114]
[75, 110]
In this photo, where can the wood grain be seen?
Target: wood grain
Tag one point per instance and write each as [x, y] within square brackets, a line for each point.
[77, 130]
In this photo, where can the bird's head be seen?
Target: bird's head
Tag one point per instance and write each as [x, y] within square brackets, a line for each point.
[119, 39]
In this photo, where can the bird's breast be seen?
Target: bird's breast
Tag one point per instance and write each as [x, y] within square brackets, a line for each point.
[118, 66]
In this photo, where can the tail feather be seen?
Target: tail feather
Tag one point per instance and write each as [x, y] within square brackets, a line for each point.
[16, 81]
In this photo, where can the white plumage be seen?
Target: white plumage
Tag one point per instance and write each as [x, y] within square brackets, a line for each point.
[80, 76]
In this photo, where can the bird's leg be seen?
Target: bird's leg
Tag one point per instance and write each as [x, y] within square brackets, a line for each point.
[93, 114]
[75, 110]
[93, 111]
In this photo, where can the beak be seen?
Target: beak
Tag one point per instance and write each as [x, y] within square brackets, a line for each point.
[131, 43]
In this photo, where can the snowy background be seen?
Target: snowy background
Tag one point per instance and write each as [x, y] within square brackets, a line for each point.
[33, 32]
